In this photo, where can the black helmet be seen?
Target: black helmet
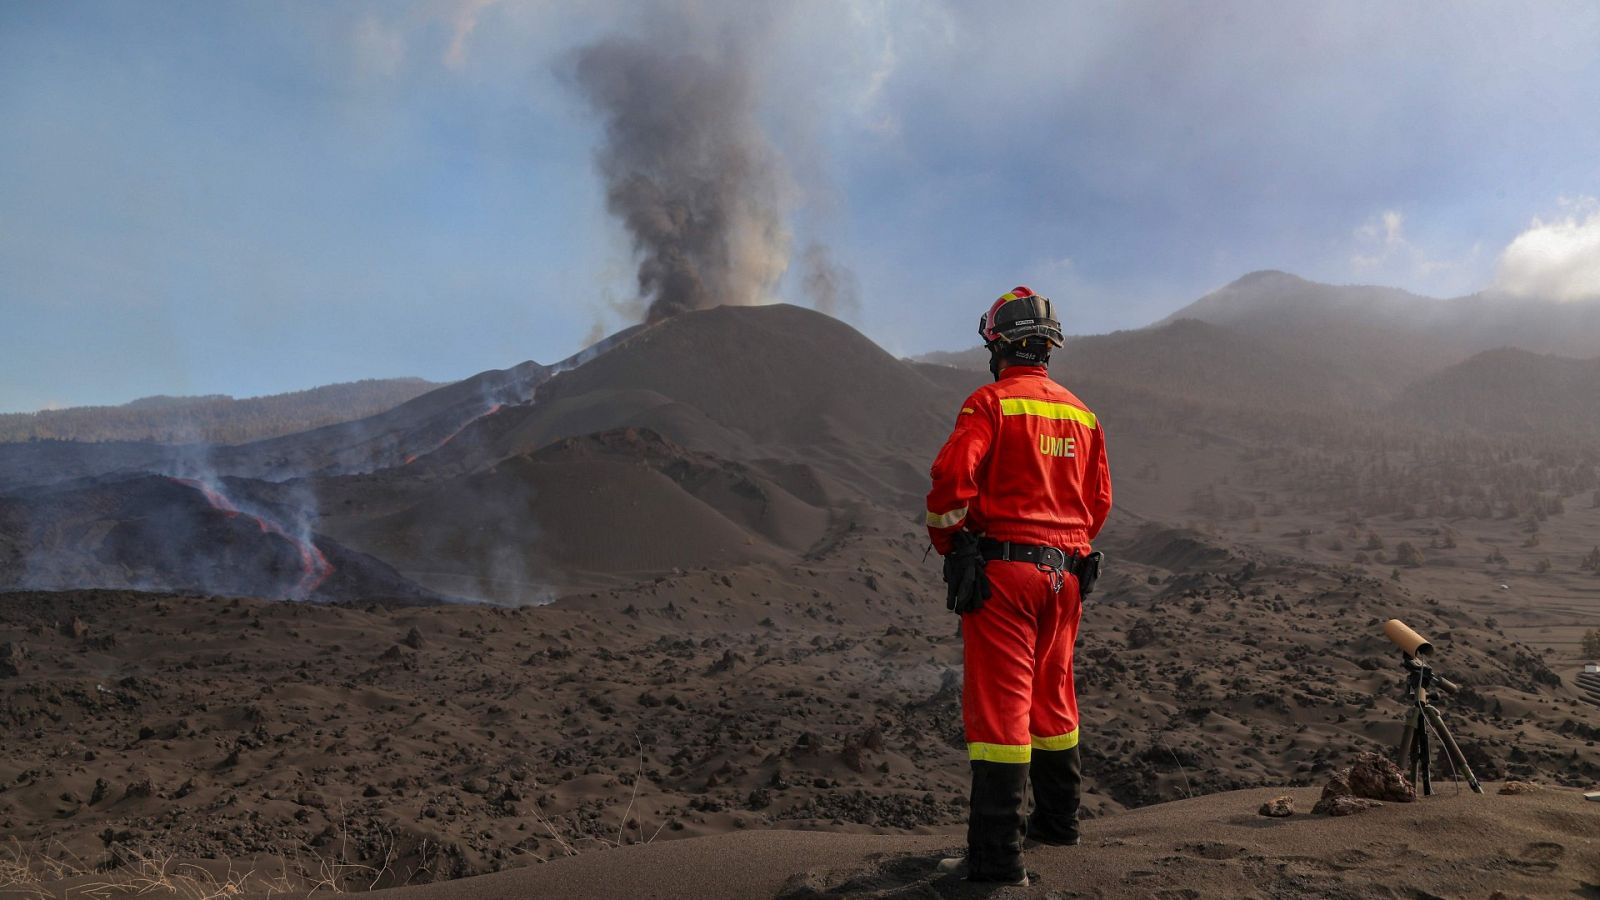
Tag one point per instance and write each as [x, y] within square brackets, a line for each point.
[1021, 324]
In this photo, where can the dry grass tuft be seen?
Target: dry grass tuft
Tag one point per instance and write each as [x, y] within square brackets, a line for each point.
[27, 871]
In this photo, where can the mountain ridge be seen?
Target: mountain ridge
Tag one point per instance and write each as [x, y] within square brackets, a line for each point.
[215, 418]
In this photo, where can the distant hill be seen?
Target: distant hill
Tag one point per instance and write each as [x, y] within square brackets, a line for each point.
[1510, 390]
[391, 437]
[1193, 360]
[1389, 337]
[214, 418]
[1276, 341]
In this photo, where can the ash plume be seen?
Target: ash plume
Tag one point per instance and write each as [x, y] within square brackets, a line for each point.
[689, 172]
[832, 288]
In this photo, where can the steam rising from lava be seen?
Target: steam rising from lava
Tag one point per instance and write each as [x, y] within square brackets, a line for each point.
[314, 565]
[689, 171]
[492, 410]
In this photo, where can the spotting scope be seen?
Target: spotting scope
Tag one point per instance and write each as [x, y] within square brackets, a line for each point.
[1421, 717]
[1412, 643]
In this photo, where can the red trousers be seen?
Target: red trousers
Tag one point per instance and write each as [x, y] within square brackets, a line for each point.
[1017, 691]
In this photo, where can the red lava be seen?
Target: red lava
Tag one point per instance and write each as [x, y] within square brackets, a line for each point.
[314, 565]
[412, 457]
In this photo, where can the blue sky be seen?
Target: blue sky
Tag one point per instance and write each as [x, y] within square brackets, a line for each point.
[244, 198]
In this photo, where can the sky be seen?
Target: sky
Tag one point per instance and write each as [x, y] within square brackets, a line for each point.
[248, 198]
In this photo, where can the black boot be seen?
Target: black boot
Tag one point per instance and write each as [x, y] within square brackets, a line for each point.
[994, 830]
[1057, 783]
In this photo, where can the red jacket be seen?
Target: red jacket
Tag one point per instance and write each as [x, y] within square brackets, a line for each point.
[1026, 463]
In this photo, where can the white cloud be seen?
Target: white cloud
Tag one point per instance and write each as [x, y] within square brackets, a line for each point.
[1385, 253]
[463, 22]
[1557, 259]
[380, 48]
[1380, 239]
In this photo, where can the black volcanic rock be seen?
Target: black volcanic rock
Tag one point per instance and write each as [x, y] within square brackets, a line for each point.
[152, 532]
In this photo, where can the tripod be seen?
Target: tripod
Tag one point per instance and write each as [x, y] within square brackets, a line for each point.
[1422, 718]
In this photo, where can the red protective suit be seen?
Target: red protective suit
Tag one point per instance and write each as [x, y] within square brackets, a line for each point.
[1026, 463]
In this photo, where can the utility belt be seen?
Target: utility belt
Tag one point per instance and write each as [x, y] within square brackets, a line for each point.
[1051, 559]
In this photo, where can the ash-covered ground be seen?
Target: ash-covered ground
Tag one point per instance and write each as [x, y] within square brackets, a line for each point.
[437, 742]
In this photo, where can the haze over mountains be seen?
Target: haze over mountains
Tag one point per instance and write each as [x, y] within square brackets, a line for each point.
[216, 418]
[1394, 334]
[708, 531]
[1275, 341]
[794, 415]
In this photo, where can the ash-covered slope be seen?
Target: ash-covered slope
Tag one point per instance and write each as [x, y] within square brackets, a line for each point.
[1509, 390]
[745, 383]
[617, 505]
[154, 532]
[392, 438]
[716, 438]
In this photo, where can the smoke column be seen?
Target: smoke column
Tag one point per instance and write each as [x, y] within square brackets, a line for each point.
[831, 287]
[688, 171]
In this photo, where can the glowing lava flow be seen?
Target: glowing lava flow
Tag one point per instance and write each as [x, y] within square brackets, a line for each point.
[412, 457]
[314, 566]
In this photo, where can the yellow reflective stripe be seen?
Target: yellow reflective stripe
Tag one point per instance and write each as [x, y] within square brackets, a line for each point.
[1059, 742]
[1045, 409]
[1001, 753]
[948, 520]
[967, 410]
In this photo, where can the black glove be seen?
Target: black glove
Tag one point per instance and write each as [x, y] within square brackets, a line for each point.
[966, 585]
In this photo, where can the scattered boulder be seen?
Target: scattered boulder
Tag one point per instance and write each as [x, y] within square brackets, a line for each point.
[1336, 790]
[1141, 635]
[1372, 780]
[852, 757]
[1345, 806]
[413, 639]
[1373, 776]
[727, 662]
[12, 654]
[144, 787]
[75, 628]
[1519, 787]
[1278, 807]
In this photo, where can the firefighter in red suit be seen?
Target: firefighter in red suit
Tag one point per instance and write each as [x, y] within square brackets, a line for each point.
[1020, 490]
